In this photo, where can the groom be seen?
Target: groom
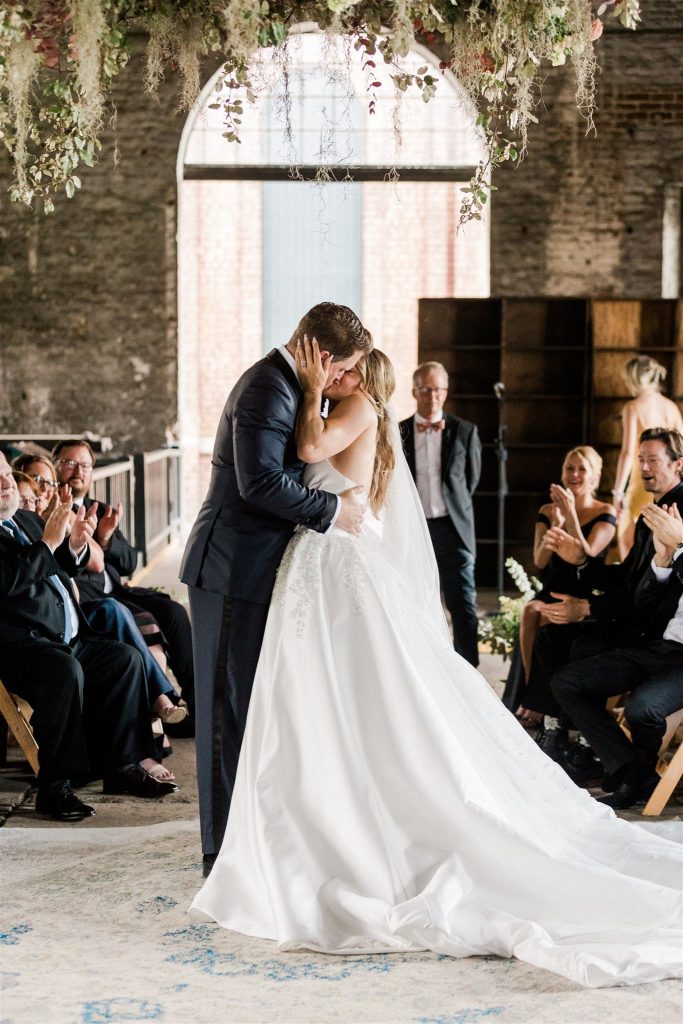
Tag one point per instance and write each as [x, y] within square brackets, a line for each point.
[255, 500]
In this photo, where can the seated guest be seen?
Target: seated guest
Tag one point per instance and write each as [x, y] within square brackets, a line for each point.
[74, 461]
[652, 672]
[592, 525]
[583, 626]
[41, 472]
[88, 694]
[28, 492]
[107, 616]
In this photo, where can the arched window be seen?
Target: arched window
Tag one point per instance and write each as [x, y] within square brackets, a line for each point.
[257, 247]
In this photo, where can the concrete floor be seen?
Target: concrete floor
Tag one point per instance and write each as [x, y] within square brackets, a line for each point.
[17, 783]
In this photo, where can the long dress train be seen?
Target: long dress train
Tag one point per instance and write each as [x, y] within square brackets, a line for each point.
[387, 801]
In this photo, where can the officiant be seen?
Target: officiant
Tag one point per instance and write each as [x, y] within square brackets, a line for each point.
[444, 455]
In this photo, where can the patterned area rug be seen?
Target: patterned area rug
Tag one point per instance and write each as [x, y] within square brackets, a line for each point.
[95, 931]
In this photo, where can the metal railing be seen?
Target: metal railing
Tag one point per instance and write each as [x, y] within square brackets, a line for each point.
[148, 486]
[157, 500]
[115, 483]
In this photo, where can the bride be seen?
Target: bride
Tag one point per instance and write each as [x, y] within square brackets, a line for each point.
[385, 799]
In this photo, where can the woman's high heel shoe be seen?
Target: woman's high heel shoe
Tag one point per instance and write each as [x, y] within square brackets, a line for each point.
[173, 715]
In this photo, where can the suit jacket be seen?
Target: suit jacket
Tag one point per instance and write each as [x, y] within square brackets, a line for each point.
[31, 608]
[658, 602]
[120, 559]
[620, 582]
[255, 495]
[460, 470]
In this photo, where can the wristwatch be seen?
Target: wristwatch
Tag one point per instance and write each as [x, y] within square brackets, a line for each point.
[677, 551]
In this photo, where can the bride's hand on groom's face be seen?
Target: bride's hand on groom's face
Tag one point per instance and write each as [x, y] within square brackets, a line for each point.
[312, 365]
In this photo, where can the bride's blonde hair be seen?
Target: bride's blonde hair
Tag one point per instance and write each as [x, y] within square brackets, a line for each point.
[377, 382]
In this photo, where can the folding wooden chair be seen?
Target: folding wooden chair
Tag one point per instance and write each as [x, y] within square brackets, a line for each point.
[17, 714]
[670, 771]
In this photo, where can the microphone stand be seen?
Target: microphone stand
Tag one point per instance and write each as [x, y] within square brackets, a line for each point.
[502, 455]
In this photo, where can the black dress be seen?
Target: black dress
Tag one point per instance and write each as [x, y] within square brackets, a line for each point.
[559, 576]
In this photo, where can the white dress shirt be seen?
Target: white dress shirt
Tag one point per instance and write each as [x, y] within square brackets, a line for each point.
[289, 359]
[428, 467]
[674, 630]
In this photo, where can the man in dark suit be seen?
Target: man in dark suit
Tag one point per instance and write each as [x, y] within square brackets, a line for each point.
[650, 671]
[88, 694]
[444, 455]
[74, 461]
[254, 501]
[582, 627]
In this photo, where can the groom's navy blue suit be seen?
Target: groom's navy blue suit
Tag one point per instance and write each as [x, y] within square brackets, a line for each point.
[254, 501]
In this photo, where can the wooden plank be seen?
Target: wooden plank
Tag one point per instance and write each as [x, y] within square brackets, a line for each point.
[616, 324]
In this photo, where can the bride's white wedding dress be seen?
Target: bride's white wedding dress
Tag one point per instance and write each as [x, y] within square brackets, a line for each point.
[387, 801]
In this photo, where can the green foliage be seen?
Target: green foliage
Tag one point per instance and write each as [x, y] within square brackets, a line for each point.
[501, 629]
[58, 59]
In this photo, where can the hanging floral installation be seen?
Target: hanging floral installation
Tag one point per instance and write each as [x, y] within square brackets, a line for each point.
[58, 59]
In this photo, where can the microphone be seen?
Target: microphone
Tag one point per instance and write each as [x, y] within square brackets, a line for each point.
[499, 389]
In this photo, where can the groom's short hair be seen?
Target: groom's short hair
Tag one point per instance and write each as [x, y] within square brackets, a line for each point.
[337, 329]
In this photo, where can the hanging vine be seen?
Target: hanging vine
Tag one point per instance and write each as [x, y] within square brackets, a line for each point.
[58, 59]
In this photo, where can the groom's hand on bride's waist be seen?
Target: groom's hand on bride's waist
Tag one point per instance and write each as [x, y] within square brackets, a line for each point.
[353, 504]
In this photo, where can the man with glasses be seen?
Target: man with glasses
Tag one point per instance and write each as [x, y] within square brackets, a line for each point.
[74, 462]
[444, 455]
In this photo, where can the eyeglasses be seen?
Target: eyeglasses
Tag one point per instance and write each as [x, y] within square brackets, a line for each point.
[72, 464]
[430, 391]
[29, 503]
[42, 481]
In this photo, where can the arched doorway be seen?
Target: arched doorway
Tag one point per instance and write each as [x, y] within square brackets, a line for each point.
[257, 248]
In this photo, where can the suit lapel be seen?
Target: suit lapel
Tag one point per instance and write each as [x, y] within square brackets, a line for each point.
[34, 532]
[32, 527]
[450, 432]
[285, 369]
[409, 445]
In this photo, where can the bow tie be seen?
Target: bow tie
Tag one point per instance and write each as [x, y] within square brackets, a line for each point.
[429, 427]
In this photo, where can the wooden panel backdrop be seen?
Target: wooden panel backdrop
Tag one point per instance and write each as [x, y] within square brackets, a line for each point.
[562, 362]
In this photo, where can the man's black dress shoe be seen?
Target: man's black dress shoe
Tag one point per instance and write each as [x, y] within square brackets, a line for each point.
[208, 861]
[629, 793]
[609, 783]
[554, 743]
[582, 766]
[61, 802]
[138, 782]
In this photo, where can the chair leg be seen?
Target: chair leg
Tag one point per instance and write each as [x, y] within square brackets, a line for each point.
[4, 737]
[666, 785]
[17, 722]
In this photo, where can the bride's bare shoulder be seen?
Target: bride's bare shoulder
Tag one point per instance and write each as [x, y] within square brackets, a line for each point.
[356, 406]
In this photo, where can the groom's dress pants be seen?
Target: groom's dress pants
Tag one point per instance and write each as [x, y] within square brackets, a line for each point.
[228, 634]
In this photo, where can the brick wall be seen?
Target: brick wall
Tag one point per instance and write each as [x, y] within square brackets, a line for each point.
[87, 295]
[582, 215]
